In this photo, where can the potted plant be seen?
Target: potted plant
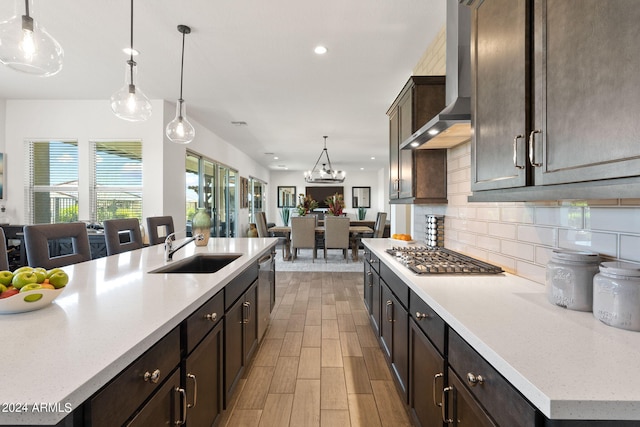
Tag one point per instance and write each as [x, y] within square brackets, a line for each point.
[285, 213]
[336, 204]
[362, 214]
[305, 204]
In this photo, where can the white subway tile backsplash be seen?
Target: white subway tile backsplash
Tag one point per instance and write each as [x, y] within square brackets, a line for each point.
[505, 231]
[563, 216]
[630, 247]
[519, 214]
[517, 250]
[585, 240]
[488, 243]
[488, 213]
[543, 255]
[625, 219]
[507, 263]
[538, 235]
[531, 271]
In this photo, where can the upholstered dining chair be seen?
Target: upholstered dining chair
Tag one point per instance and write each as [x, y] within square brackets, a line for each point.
[36, 241]
[303, 235]
[261, 224]
[116, 229]
[336, 234]
[158, 228]
[4, 257]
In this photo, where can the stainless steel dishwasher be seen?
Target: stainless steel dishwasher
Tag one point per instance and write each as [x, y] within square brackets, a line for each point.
[266, 282]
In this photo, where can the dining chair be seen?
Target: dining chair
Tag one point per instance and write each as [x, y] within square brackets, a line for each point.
[336, 235]
[381, 221]
[158, 228]
[303, 235]
[36, 242]
[261, 224]
[4, 257]
[122, 235]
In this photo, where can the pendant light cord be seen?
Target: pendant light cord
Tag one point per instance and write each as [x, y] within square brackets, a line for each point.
[182, 64]
[131, 61]
[26, 7]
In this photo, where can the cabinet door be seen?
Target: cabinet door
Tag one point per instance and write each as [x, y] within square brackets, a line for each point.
[164, 408]
[203, 380]
[386, 321]
[394, 146]
[426, 379]
[368, 285]
[500, 85]
[587, 89]
[233, 352]
[394, 335]
[405, 157]
[465, 410]
[375, 303]
[250, 326]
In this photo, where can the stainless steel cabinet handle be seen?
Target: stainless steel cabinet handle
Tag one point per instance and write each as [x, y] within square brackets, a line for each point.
[532, 145]
[435, 378]
[248, 305]
[370, 278]
[389, 305]
[183, 396]
[474, 380]
[421, 316]
[444, 406]
[212, 317]
[153, 377]
[515, 151]
[195, 391]
[396, 184]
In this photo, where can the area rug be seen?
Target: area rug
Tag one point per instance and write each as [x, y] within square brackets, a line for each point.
[305, 262]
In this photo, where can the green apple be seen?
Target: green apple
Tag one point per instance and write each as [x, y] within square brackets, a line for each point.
[5, 277]
[24, 278]
[41, 273]
[59, 279]
[2, 288]
[22, 269]
[31, 287]
[53, 271]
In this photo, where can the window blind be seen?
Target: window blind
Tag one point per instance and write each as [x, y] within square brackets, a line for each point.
[51, 191]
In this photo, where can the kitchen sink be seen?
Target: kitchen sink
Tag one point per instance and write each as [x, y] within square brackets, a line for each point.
[201, 263]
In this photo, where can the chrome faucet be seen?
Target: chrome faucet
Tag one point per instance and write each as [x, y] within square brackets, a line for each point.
[168, 245]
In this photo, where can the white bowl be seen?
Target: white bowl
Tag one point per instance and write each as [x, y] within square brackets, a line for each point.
[17, 304]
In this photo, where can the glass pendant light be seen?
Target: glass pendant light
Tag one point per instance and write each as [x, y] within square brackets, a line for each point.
[130, 103]
[179, 130]
[27, 47]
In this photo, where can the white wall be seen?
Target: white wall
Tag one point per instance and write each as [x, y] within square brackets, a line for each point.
[81, 120]
[376, 179]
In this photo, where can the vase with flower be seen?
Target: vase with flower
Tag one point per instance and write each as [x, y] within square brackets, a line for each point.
[336, 204]
[305, 204]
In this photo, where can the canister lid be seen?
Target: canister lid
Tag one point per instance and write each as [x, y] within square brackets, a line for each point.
[620, 268]
[576, 256]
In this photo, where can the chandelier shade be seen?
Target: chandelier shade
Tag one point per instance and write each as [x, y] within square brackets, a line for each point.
[326, 174]
[179, 130]
[27, 47]
[129, 102]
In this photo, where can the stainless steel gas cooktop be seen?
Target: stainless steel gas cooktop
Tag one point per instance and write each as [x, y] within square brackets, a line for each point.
[438, 260]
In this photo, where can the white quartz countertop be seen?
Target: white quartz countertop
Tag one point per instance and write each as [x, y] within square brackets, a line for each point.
[111, 311]
[567, 363]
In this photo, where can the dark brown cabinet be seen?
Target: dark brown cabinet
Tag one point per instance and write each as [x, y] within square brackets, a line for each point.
[416, 176]
[552, 108]
[394, 337]
[165, 408]
[372, 290]
[462, 410]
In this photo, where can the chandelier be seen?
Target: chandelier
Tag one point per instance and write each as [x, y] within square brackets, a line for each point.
[326, 175]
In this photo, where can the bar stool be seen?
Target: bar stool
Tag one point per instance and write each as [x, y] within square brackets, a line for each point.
[4, 258]
[117, 229]
[158, 228]
[36, 241]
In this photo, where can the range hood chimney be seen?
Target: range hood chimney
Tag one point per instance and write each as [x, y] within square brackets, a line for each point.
[452, 125]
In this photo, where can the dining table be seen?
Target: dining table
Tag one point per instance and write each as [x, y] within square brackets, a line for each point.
[354, 232]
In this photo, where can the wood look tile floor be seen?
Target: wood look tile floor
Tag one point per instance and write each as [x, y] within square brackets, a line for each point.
[319, 363]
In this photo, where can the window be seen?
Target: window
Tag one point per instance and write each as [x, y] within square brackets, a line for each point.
[52, 181]
[116, 180]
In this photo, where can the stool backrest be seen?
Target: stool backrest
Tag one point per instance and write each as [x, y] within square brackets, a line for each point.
[122, 235]
[37, 237]
[158, 228]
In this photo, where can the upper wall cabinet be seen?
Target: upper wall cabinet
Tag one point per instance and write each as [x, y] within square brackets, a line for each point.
[556, 93]
[416, 177]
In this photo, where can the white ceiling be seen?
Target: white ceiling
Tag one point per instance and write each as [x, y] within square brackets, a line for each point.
[248, 60]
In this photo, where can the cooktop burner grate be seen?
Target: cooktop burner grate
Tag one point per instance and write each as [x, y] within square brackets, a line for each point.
[438, 260]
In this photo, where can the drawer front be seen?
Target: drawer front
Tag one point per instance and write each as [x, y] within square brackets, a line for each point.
[203, 320]
[503, 402]
[165, 407]
[373, 261]
[239, 285]
[427, 320]
[397, 286]
[119, 399]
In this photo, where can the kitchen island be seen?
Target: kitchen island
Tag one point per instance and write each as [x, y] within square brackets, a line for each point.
[111, 312]
[567, 364]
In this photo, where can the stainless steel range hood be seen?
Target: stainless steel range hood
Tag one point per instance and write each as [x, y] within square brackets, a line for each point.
[452, 125]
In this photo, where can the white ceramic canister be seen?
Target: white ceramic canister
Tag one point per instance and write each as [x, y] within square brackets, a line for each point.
[569, 279]
[616, 295]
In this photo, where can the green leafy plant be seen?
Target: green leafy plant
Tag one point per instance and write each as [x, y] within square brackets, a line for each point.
[336, 204]
[305, 204]
[362, 214]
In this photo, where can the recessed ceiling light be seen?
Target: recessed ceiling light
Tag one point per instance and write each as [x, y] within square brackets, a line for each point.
[361, 169]
[275, 157]
[373, 158]
[128, 51]
[320, 50]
